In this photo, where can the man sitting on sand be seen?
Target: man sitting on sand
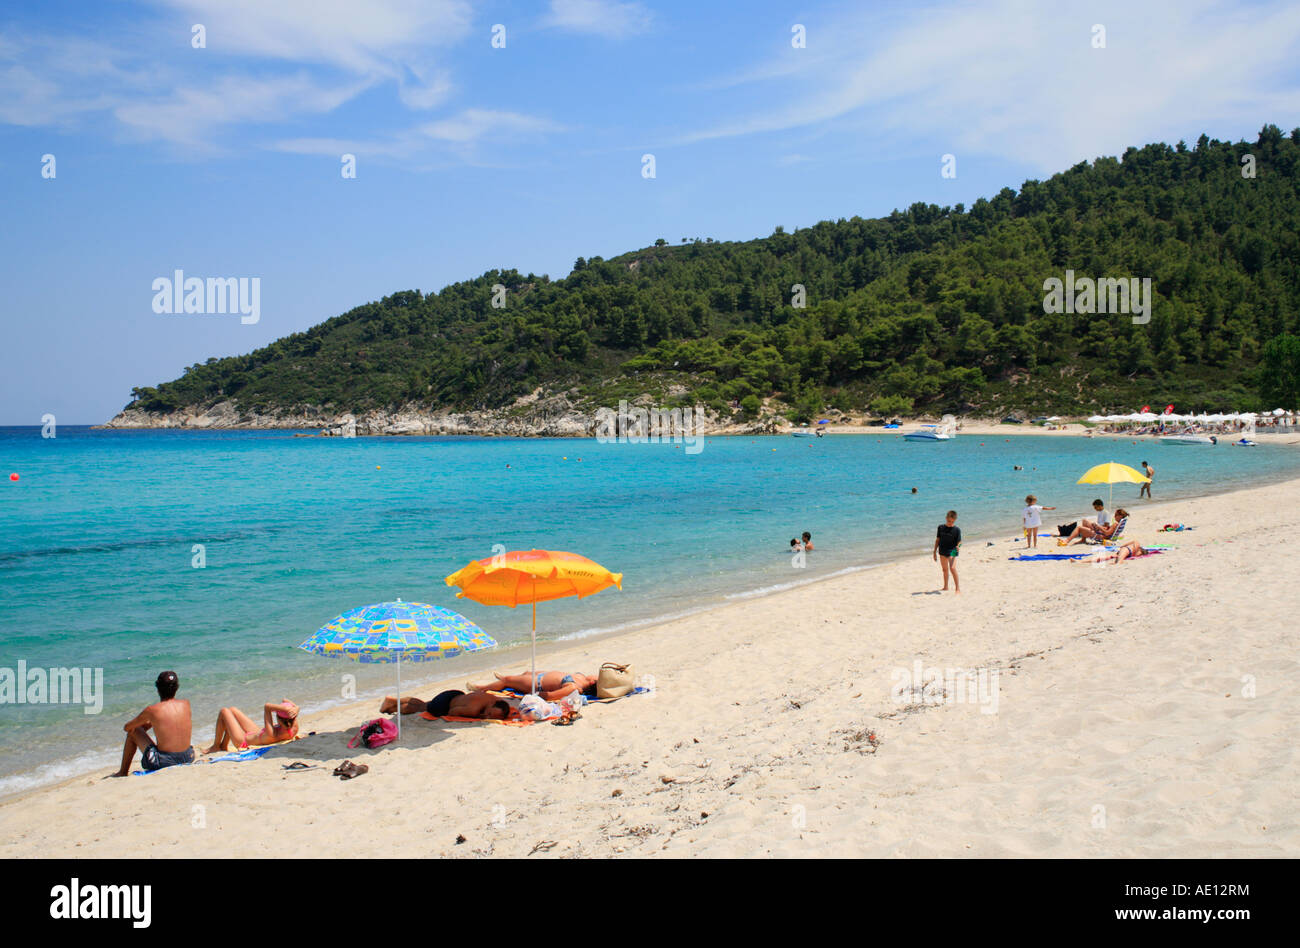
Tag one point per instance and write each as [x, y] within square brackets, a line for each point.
[452, 704]
[551, 685]
[1095, 531]
[1103, 518]
[170, 721]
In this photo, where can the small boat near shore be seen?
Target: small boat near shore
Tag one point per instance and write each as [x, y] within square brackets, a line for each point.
[1189, 439]
[944, 431]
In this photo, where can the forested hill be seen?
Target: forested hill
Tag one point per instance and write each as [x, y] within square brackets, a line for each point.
[928, 309]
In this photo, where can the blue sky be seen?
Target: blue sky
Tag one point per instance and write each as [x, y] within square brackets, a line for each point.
[225, 160]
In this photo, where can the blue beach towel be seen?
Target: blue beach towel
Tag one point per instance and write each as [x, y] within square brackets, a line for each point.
[638, 690]
[1079, 556]
[251, 753]
[1051, 556]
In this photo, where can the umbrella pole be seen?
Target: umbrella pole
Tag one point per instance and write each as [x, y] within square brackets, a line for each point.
[399, 695]
[534, 681]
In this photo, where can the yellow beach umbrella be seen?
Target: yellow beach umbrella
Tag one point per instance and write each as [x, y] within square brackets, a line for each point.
[531, 576]
[1112, 473]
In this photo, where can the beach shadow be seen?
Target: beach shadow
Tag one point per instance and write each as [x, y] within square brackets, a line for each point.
[929, 592]
[333, 745]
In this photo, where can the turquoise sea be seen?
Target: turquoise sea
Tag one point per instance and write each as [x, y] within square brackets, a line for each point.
[97, 538]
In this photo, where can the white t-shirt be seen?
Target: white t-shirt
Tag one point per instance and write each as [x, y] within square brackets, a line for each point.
[1103, 518]
[1033, 515]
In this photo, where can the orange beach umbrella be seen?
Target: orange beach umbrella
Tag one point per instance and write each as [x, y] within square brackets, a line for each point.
[531, 576]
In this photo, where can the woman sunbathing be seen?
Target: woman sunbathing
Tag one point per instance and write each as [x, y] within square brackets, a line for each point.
[1121, 553]
[234, 726]
[1098, 533]
[551, 685]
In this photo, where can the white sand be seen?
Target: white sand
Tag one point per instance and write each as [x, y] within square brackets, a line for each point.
[1123, 728]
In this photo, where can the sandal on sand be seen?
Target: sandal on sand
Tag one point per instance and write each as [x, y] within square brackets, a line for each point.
[347, 770]
[299, 765]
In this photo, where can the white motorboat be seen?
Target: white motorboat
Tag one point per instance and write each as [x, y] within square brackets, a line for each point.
[944, 431]
[1188, 439]
[803, 433]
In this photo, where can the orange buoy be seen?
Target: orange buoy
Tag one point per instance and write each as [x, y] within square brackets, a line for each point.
[13, 477]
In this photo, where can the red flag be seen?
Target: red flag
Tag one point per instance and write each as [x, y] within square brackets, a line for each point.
[1146, 408]
[1169, 409]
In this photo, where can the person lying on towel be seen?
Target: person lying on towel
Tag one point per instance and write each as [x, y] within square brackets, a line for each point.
[550, 686]
[1121, 553]
[452, 704]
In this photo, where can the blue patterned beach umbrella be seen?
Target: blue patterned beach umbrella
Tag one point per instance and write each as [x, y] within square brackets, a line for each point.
[397, 632]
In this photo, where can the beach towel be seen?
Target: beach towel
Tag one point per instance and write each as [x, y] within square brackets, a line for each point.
[1052, 556]
[512, 721]
[638, 690]
[251, 753]
[1077, 556]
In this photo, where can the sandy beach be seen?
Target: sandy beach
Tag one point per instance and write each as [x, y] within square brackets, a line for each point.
[1142, 709]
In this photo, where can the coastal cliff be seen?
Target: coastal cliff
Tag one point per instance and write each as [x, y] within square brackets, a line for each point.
[538, 416]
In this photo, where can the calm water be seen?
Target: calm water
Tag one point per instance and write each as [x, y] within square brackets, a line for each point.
[97, 537]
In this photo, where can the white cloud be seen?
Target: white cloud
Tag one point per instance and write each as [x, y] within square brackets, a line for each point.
[193, 116]
[606, 18]
[458, 135]
[1022, 80]
[361, 37]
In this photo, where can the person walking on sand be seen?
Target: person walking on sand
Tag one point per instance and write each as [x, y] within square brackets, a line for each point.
[1146, 487]
[170, 722]
[1033, 519]
[947, 541]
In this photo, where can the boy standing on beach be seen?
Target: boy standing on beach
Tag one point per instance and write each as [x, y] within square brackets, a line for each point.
[1151, 476]
[946, 543]
[1033, 519]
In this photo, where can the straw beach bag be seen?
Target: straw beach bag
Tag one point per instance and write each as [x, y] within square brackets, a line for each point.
[614, 681]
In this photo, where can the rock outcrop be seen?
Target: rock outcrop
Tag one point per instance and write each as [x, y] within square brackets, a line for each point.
[535, 415]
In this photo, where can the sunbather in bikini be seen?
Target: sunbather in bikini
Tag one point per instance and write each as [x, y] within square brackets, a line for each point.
[1121, 553]
[280, 723]
[551, 685]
